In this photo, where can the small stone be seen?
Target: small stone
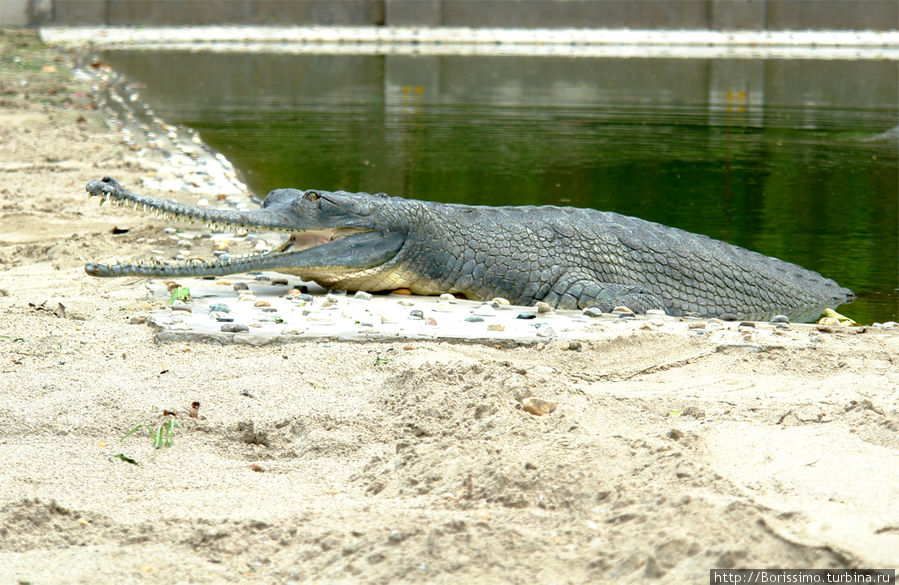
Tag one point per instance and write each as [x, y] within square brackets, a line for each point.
[221, 246]
[262, 304]
[728, 317]
[234, 328]
[696, 325]
[431, 322]
[485, 310]
[501, 301]
[416, 314]
[543, 307]
[592, 312]
[474, 319]
[546, 332]
[824, 328]
[361, 294]
[828, 322]
[780, 319]
[219, 308]
[656, 313]
[447, 297]
[405, 303]
[622, 309]
[240, 286]
[574, 345]
[262, 278]
[747, 324]
[223, 282]
[537, 406]
[222, 318]
[181, 306]
[256, 467]
[526, 316]
[180, 327]
[496, 327]
[279, 282]
[137, 320]
[401, 291]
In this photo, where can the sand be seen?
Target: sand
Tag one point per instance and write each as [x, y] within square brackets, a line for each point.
[671, 450]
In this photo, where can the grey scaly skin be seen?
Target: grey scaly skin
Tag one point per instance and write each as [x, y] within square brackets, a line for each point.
[567, 257]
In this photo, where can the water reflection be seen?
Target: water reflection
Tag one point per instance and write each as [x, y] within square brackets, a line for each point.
[780, 156]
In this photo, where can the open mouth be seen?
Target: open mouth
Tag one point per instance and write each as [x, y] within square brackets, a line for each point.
[308, 252]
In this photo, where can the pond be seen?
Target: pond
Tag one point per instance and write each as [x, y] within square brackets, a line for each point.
[797, 159]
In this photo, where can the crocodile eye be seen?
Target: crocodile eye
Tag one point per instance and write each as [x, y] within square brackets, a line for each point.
[311, 195]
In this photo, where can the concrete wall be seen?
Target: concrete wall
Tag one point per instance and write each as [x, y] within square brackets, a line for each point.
[694, 14]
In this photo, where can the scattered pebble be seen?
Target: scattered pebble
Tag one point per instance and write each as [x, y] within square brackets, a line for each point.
[780, 319]
[656, 313]
[696, 325]
[256, 467]
[592, 312]
[262, 278]
[574, 345]
[538, 406]
[474, 319]
[432, 322]
[750, 324]
[526, 316]
[500, 301]
[223, 282]
[262, 304]
[496, 327]
[416, 314]
[447, 297]
[543, 307]
[401, 291]
[622, 309]
[240, 286]
[361, 294]
[279, 281]
[181, 306]
[219, 308]
[485, 310]
[234, 328]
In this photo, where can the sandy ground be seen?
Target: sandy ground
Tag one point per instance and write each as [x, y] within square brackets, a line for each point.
[669, 453]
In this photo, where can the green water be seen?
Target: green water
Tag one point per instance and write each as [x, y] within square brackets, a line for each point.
[782, 157]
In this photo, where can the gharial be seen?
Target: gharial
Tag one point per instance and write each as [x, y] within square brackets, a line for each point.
[568, 257]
